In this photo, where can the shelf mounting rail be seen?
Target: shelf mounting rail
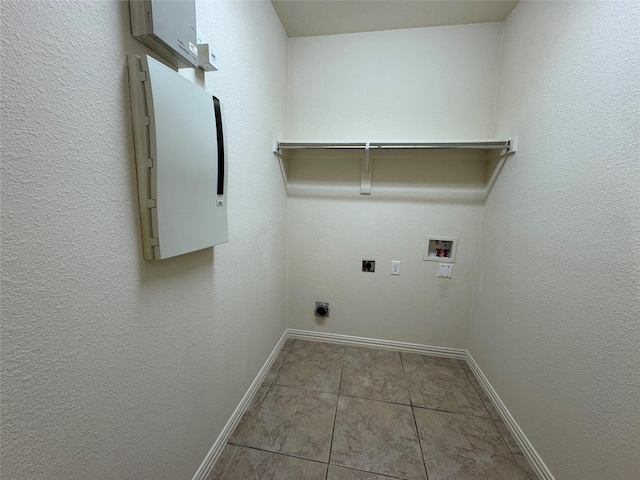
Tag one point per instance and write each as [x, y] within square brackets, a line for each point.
[508, 146]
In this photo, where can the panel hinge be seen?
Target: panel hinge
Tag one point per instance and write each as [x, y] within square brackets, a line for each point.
[154, 241]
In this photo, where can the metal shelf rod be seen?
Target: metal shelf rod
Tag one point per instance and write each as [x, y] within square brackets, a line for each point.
[497, 145]
[509, 146]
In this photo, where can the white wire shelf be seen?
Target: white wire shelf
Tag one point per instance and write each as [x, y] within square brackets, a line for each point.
[507, 146]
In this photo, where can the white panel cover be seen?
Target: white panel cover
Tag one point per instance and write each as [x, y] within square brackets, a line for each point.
[190, 214]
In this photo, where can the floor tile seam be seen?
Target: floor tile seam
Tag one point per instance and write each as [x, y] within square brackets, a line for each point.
[230, 461]
[473, 389]
[251, 447]
[499, 433]
[285, 355]
[333, 430]
[275, 372]
[427, 408]
[424, 460]
[432, 356]
[513, 454]
[279, 367]
[449, 411]
[372, 367]
[439, 372]
[478, 393]
[415, 422]
[314, 354]
[524, 476]
[253, 420]
[303, 388]
[406, 380]
[471, 378]
[315, 343]
[435, 373]
[319, 356]
[374, 399]
[260, 402]
[365, 471]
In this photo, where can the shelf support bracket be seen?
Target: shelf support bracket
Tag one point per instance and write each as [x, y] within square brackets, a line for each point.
[282, 162]
[365, 178]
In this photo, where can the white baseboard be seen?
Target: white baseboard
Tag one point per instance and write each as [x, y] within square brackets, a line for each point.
[376, 343]
[525, 445]
[209, 461]
[523, 442]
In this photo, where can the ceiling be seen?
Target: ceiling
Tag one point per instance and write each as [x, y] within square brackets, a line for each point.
[305, 18]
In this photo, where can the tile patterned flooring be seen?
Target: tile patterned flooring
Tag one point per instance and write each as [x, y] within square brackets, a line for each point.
[331, 412]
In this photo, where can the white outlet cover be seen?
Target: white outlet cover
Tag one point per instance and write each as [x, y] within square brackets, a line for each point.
[395, 267]
[445, 270]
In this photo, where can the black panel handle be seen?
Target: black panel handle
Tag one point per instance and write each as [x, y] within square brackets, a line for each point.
[216, 107]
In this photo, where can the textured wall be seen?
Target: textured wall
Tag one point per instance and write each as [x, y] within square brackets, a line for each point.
[555, 321]
[399, 85]
[113, 367]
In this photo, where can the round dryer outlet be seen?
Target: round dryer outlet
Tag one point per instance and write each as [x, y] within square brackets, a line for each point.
[322, 309]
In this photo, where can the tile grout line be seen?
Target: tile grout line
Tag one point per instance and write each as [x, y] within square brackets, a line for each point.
[413, 414]
[279, 453]
[524, 475]
[476, 390]
[273, 382]
[309, 460]
[380, 400]
[468, 374]
[493, 420]
[228, 465]
[406, 382]
[367, 471]
[270, 387]
[424, 462]
[335, 416]
[451, 411]
[305, 389]
[374, 399]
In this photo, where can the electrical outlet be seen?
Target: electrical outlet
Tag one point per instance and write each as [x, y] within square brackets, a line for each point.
[444, 270]
[395, 267]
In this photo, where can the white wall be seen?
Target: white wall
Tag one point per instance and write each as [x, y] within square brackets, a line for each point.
[398, 85]
[113, 367]
[555, 319]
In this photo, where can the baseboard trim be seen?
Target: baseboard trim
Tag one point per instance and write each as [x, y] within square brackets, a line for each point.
[377, 343]
[523, 442]
[209, 461]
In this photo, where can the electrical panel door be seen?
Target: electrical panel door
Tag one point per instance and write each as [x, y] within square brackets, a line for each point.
[180, 159]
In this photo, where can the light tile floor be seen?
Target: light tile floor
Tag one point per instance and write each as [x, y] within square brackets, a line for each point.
[331, 412]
